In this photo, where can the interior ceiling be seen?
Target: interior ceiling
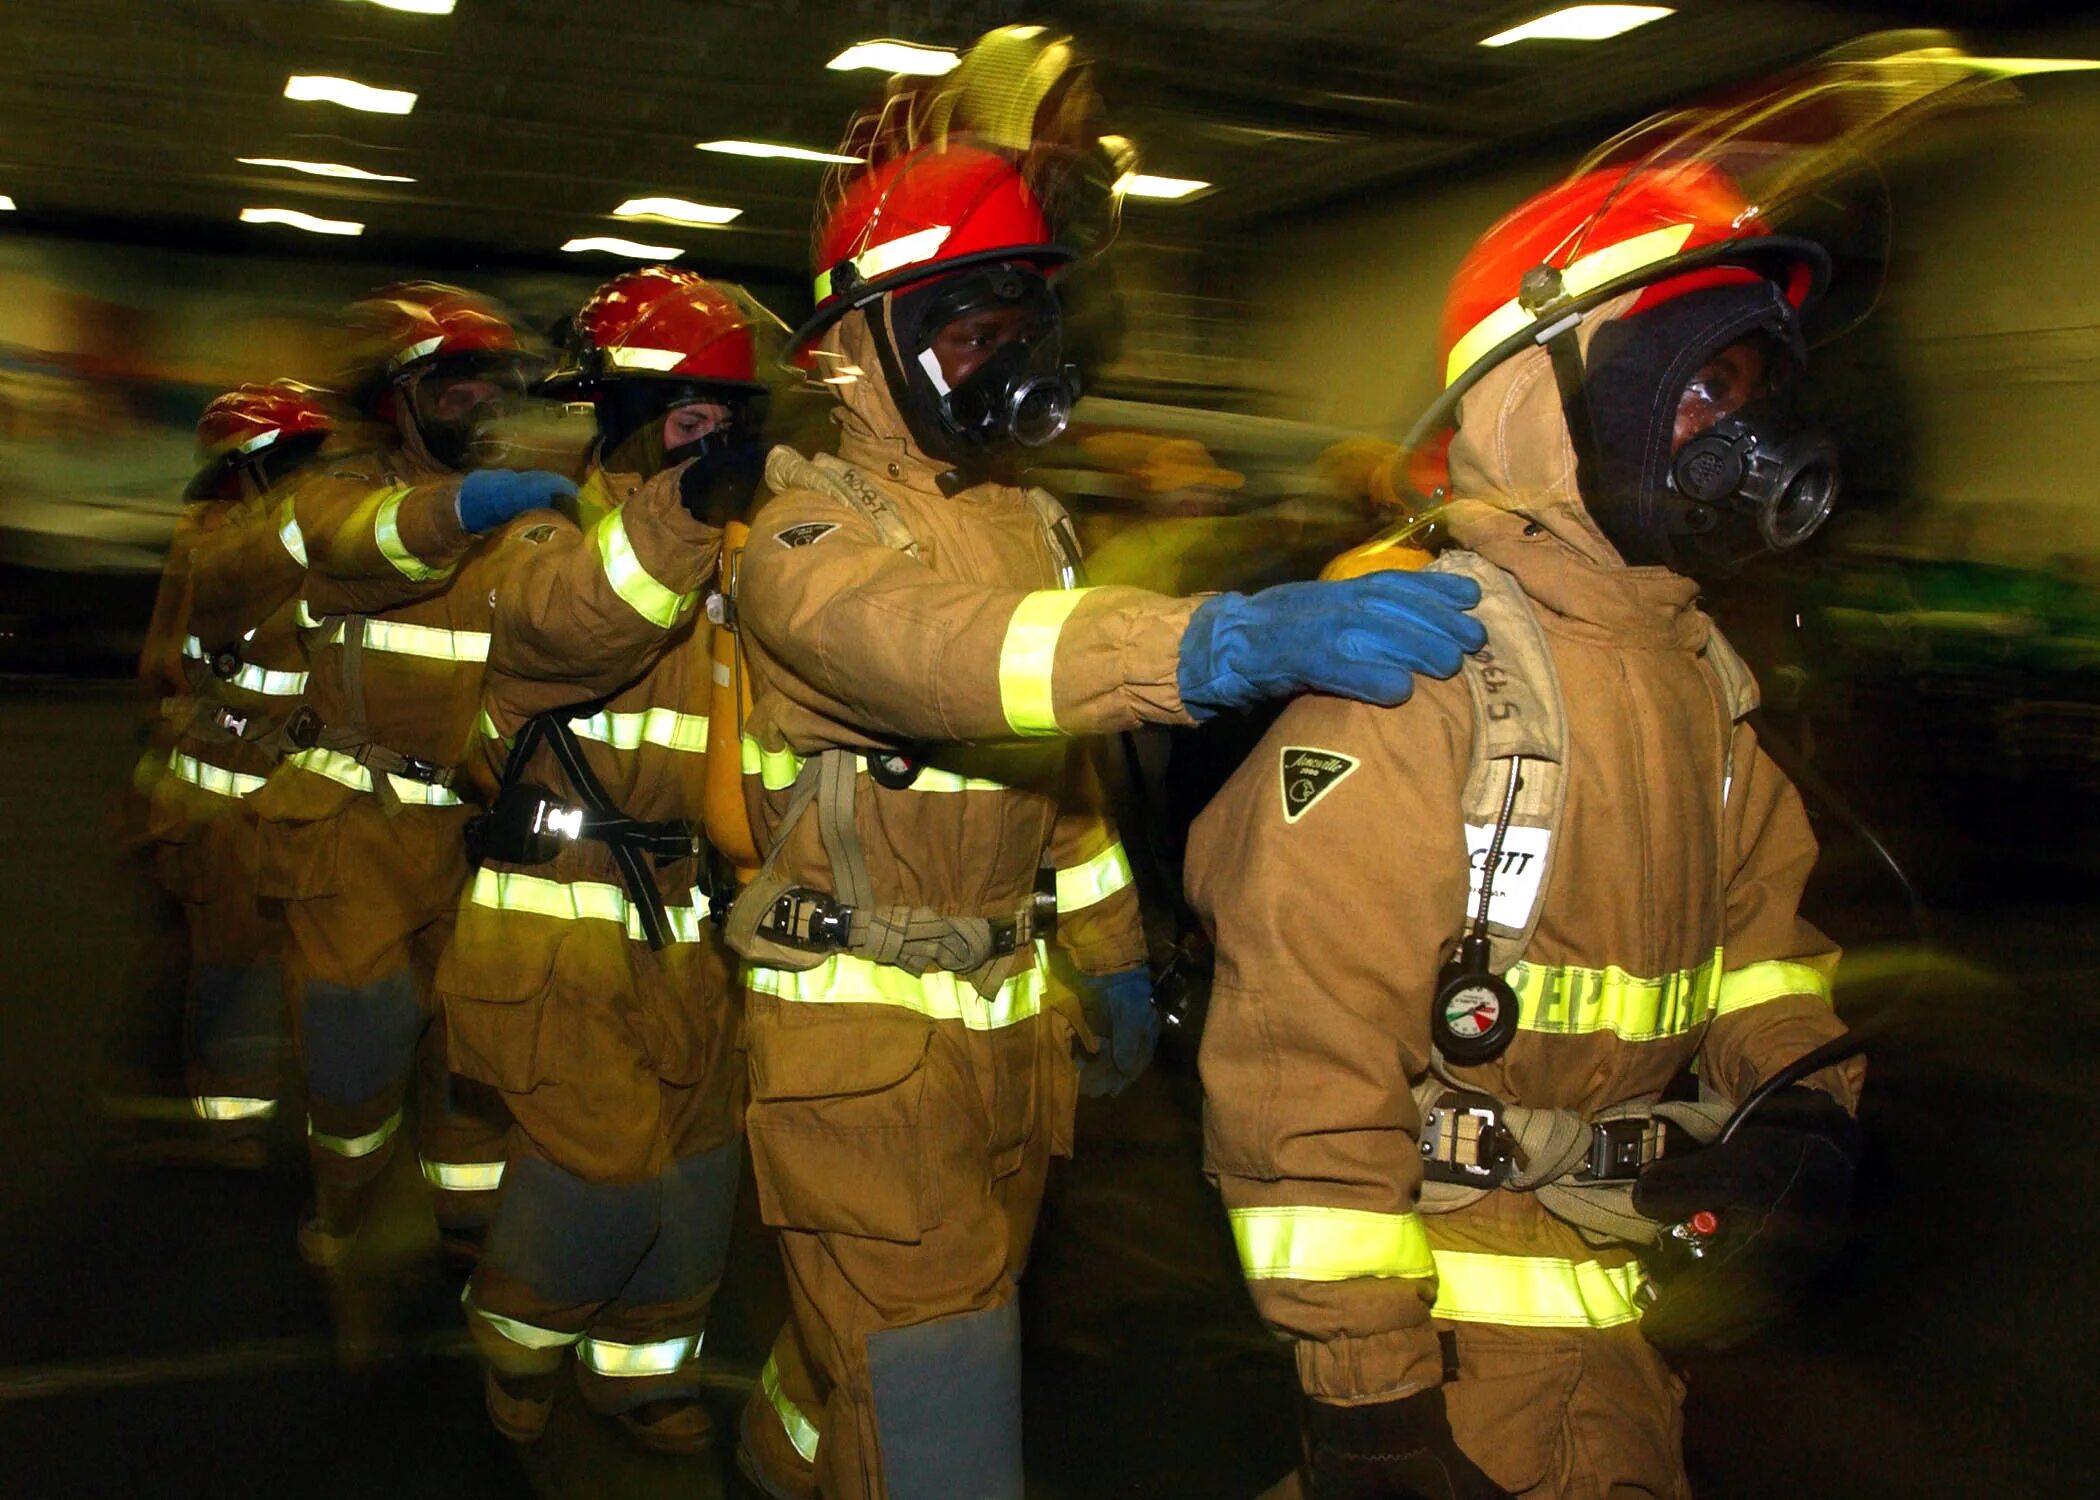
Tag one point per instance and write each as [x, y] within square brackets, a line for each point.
[536, 117]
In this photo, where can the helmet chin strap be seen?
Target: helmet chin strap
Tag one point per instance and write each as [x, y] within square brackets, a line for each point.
[1540, 290]
[952, 480]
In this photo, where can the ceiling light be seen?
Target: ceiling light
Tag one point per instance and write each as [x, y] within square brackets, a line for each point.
[895, 57]
[612, 246]
[294, 219]
[1146, 185]
[321, 169]
[675, 211]
[2021, 67]
[316, 88]
[1580, 23]
[7, 204]
[418, 7]
[768, 149]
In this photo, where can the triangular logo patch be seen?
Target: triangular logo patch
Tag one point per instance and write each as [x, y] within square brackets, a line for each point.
[807, 532]
[1310, 773]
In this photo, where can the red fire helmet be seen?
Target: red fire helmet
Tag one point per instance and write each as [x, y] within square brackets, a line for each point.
[659, 324]
[251, 422]
[401, 331]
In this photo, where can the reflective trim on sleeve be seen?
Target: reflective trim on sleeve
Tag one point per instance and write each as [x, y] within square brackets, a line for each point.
[232, 1107]
[1568, 1000]
[844, 979]
[1310, 1243]
[801, 1432]
[268, 684]
[629, 1361]
[1773, 979]
[463, 1176]
[289, 534]
[1094, 880]
[214, 779]
[1534, 1291]
[1027, 657]
[434, 642]
[349, 771]
[660, 606]
[354, 1146]
[525, 1335]
[653, 726]
[386, 531]
[580, 901]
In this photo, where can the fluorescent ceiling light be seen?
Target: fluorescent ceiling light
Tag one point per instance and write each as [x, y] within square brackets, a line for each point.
[612, 246]
[1580, 23]
[895, 57]
[321, 169]
[1146, 185]
[297, 220]
[768, 149]
[317, 88]
[7, 204]
[675, 211]
[418, 7]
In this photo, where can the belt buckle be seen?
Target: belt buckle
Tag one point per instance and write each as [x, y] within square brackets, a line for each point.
[1006, 935]
[1493, 1150]
[303, 728]
[233, 723]
[424, 771]
[828, 923]
[1620, 1148]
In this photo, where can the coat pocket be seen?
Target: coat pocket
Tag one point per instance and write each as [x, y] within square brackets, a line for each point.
[495, 984]
[836, 1123]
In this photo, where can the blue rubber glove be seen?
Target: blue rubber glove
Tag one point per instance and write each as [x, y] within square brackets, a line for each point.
[1119, 1006]
[489, 497]
[1362, 638]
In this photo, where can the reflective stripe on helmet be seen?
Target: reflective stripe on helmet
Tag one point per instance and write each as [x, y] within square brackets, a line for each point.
[844, 979]
[1584, 273]
[463, 1176]
[1773, 979]
[629, 731]
[890, 255]
[579, 901]
[1534, 1291]
[632, 357]
[659, 605]
[289, 534]
[349, 771]
[663, 1357]
[801, 1432]
[1310, 1243]
[214, 779]
[1569, 1000]
[386, 531]
[525, 1335]
[354, 1146]
[1027, 657]
[232, 1107]
[1082, 885]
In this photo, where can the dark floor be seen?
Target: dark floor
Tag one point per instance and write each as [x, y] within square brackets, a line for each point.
[160, 1337]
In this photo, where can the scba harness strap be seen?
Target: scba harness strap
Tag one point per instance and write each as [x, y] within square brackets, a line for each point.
[782, 925]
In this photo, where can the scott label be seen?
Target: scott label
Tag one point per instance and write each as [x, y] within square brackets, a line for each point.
[1310, 773]
[1517, 874]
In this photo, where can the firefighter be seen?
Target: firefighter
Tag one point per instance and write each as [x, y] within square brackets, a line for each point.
[920, 657]
[1464, 945]
[586, 981]
[228, 592]
[362, 822]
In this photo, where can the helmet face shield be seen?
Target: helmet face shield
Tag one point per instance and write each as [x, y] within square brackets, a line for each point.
[463, 408]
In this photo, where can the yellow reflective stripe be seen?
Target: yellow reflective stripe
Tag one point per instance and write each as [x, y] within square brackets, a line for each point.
[349, 771]
[1083, 885]
[631, 1360]
[776, 770]
[386, 531]
[288, 532]
[800, 1430]
[270, 684]
[659, 605]
[1773, 979]
[1534, 1291]
[401, 638]
[1310, 1243]
[517, 1330]
[214, 779]
[1586, 273]
[891, 255]
[194, 649]
[579, 901]
[933, 779]
[488, 727]
[355, 1145]
[463, 1176]
[844, 979]
[654, 726]
[308, 620]
[1568, 1000]
[232, 1107]
[1027, 657]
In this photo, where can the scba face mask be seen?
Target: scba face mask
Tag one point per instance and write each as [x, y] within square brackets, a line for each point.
[1762, 463]
[475, 436]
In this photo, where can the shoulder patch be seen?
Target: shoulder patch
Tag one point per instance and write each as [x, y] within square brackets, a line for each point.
[1308, 774]
[806, 533]
[537, 534]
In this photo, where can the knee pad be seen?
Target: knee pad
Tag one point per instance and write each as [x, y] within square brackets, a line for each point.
[948, 1406]
[692, 1237]
[236, 1018]
[359, 1041]
[569, 1240]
